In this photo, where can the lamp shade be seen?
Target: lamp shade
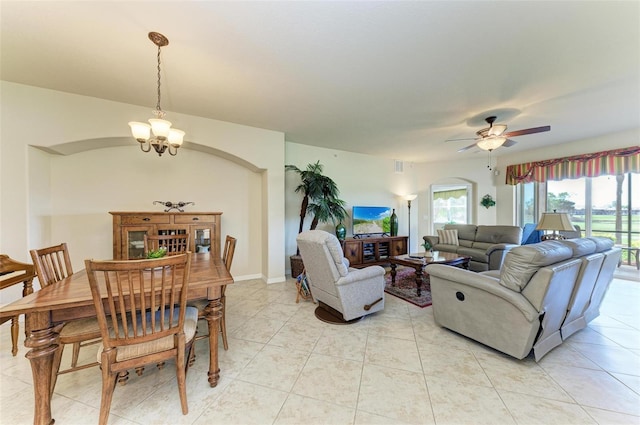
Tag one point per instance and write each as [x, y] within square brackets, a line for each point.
[160, 128]
[176, 137]
[491, 142]
[497, 130]
[141, 131]
[555, 221]
[411, 197]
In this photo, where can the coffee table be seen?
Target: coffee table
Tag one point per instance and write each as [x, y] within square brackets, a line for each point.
[419, 262]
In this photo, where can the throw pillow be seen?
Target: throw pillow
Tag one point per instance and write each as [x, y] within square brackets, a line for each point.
[448, 237]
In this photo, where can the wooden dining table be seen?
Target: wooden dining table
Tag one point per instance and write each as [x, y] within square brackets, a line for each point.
[48, 309]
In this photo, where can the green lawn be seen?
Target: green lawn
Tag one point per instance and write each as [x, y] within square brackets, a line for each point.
[605, 225]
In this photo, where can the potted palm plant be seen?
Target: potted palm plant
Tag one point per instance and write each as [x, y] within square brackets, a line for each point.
[320, 199]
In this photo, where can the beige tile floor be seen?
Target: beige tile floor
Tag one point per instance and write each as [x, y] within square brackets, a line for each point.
[396, 367]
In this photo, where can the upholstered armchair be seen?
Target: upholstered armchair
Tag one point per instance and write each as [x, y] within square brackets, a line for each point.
[342, 293]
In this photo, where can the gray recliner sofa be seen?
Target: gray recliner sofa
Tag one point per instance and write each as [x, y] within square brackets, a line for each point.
[486, 245]
[543, 293]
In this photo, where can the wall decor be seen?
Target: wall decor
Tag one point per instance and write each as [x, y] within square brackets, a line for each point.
[487, 201]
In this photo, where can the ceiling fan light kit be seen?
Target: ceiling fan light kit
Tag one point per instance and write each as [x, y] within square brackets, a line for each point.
[494, 136]
[490, 143]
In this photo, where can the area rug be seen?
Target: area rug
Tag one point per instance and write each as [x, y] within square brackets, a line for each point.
[405, 287]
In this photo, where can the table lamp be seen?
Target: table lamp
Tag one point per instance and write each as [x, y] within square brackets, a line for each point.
[554, 221]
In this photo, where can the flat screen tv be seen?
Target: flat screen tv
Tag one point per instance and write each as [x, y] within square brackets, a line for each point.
[371, 220]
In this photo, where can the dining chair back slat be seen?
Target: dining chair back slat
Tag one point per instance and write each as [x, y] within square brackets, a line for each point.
[52, 264]
[229, 250]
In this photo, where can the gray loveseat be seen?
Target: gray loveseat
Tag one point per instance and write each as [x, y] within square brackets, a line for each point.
[543, 294]
[486, 245]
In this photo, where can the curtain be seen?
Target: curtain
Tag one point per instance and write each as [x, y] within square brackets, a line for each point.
[446, 194]
[613, 162]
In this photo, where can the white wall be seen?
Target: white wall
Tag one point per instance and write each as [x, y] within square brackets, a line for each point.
[47, 198]
[473, 171]
[368, 180]
[86, 186]
[361, 179]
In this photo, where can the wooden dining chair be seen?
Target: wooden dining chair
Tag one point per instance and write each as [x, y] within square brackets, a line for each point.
[13, 272]
[142, 311]
[227, 258]
[52, 265]
[174, 244]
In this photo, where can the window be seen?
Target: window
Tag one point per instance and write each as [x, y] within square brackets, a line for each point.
[601, 206]
[568, 196]
[527, 203]
[615, 214]
[450, 204]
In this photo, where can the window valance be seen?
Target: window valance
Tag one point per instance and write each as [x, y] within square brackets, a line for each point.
[446, 194]
[613, 162]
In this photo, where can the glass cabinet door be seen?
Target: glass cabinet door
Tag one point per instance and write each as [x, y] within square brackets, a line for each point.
[202, 239]
[133, 241]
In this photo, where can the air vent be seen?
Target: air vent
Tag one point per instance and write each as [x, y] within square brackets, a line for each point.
[399, 166]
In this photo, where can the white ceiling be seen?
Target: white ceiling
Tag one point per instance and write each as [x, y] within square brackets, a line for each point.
[393, 79]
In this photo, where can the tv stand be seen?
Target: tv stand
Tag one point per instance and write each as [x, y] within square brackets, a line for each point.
[363, 252]
[370, 235]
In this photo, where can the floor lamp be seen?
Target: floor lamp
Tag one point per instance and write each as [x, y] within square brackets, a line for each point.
[409, 198]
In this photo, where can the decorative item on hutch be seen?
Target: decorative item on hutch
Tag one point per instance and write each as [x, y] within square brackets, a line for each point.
[164, 137]
[174, 205]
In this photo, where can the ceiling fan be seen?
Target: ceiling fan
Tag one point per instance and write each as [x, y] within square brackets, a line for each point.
[494, 136]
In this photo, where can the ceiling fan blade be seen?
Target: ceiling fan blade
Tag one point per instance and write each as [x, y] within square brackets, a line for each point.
[458, 140]
[527, 131]
[509, 143]
[467, 148]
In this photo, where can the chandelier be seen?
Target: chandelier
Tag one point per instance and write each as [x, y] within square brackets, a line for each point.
[164, 137]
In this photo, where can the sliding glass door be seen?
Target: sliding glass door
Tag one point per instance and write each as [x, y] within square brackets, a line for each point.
[606, 206]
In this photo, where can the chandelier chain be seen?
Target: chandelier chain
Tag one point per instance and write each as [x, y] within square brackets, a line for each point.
[158, 105]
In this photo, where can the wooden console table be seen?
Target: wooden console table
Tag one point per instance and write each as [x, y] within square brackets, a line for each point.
[363, 252]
